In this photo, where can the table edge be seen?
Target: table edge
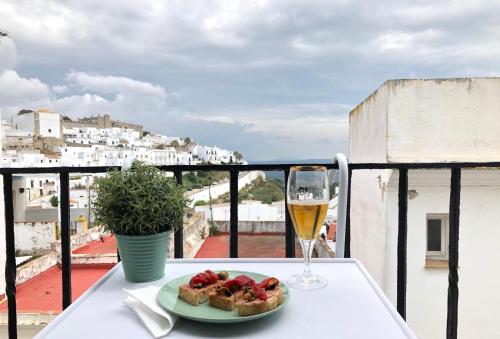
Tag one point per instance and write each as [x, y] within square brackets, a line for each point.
[387, 304]
[53, 324]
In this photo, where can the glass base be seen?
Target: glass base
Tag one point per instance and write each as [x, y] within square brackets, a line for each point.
[311, 283]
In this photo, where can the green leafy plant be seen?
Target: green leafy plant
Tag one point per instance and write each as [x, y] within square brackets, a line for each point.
[213, 229]
[54, 201]
[138, 201]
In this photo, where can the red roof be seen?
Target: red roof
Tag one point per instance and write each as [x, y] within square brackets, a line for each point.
[43, 293]
[105, 245]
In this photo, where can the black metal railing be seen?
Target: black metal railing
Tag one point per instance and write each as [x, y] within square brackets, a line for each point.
[234, 170]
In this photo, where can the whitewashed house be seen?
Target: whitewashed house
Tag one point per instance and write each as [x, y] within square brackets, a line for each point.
[214, 155]
[431, 121]
[112, 136]
[165, 156]
[184, 158]
[42, 122]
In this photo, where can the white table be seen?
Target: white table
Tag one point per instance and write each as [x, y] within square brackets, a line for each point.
[351, 306]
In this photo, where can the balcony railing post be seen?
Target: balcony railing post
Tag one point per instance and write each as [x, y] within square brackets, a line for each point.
[233, 230]
[10, 262]
[179, 234]
[289, 230]
[65, 240]
[347, 248]
[454, 220]
[402, 241]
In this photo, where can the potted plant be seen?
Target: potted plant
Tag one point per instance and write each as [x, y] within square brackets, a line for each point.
[141, 206]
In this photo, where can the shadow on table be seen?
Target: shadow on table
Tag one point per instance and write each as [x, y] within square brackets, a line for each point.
[209, 330]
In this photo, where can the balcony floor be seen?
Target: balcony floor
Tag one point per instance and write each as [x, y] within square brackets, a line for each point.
[249, 246]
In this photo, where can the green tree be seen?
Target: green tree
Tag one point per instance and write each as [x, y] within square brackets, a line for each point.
[174, 143]
[200, 203]
[238, 156]
[265, 191]
[54, 201]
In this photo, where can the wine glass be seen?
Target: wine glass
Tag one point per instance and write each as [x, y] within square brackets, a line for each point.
[308, 193]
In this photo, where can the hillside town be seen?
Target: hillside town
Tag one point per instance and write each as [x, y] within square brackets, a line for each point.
[42, 138]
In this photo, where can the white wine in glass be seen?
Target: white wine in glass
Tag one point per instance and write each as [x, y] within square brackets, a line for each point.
[308, 195]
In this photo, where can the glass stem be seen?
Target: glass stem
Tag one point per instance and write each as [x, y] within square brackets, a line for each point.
[307, 248]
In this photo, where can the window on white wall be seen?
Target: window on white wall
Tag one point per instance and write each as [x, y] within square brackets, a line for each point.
[437, 236]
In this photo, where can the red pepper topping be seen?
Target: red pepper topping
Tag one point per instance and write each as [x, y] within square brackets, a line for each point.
[203, 279]
[213, 277]
[233, 285]
[243, 280]
[259, 291]
[237, 283]
[269, 283]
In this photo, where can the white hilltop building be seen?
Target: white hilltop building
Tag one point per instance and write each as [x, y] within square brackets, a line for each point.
[213, 154]
[430, 121]
[112, 136]
[157, 139]
[42, 122]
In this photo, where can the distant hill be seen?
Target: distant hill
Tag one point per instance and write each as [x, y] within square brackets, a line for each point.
[278, 175]
[290, 161]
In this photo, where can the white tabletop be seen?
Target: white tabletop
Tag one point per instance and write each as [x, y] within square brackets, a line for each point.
[351, 306]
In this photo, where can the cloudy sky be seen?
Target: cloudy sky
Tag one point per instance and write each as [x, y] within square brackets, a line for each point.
[272, 79]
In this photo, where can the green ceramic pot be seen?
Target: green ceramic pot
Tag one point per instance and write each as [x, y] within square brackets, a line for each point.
[143, 256]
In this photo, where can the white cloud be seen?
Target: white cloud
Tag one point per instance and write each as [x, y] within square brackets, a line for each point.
[59, 89]
[7, 54]
[112, 84]
[300, 123]
[16, 91]
[128, 98]
[398, 41]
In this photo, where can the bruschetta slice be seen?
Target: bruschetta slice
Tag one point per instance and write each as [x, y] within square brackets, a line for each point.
[225, 295]
[196, 292]
[259, 298]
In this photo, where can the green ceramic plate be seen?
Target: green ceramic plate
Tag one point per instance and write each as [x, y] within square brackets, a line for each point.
[167, 298]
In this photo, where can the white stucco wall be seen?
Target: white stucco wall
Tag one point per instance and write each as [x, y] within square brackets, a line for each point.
[444, 120]
[368, 220]
[50, 125]
[368, 128]
[479, 254]
[254, 211]
[428, 121]
[34, 237]
[24, 122]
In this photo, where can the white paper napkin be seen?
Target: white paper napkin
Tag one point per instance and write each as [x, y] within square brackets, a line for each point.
[142, 302]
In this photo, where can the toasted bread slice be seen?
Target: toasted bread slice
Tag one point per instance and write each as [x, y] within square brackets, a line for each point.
[221, 301]
[195, 296]
[248, 308]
